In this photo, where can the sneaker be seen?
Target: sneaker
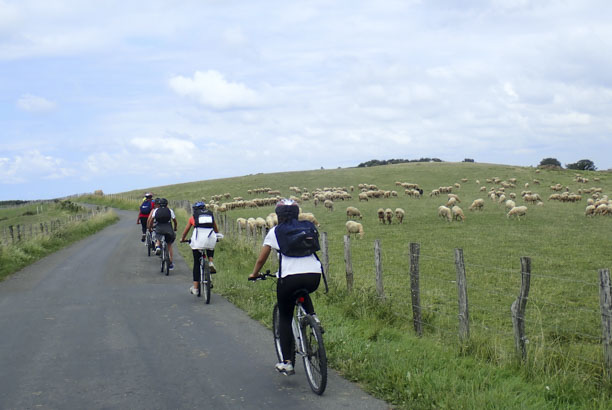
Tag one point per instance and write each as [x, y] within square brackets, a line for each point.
[212, 267]
[171, 266]
[194, 291]
[285, 368]
[142, 238]
[157, 250]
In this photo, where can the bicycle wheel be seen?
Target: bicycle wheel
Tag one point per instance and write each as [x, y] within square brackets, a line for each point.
[276, 332]
[148, 242]
[205, 286]
[166, 258]
[315, 359]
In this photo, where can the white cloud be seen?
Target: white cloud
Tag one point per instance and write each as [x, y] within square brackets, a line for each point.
[32, 166]
[33, 103]
[210, 89]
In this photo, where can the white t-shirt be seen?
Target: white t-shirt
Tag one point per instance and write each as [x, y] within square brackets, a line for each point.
[291, 265]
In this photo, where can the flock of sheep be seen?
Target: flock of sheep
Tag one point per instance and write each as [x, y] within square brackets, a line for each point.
[501, 193]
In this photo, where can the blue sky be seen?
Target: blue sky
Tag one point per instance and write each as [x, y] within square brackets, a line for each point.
[118, 95]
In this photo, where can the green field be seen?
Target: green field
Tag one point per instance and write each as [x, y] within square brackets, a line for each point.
[373, 341]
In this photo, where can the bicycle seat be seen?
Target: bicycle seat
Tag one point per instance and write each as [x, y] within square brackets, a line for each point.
[300, 294]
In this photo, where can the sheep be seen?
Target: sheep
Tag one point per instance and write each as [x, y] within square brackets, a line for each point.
[477, 205]
[451, 202]
[457, 213]
[510, 204]
[363, 197]
[517, 211]
[354, 227]
[251, 224]
[242, 223]
[399, 214]
[389, 215]
[260, 223]
[445, 213]
[307, 216]
[351, 212]
[271, 220]
[329, 204]
[381, 215]
[590, 210]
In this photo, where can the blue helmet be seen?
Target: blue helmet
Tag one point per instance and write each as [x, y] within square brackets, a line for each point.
[199, 205]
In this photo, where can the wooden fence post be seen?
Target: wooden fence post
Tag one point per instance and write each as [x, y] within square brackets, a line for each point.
[518, 310]
[19, 233]
[464, 316]
[12, 233]
[605, 302]
[415, 292]
[348, 263]
[325, 250]
[379, 272]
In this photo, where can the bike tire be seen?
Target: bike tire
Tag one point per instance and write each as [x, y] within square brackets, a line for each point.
[167, 259]
[315, 358]
[276, 333]
[206, 283]
[148, 244]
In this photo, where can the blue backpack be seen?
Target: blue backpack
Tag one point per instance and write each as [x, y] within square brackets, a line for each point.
[297, 238]
[146, 207]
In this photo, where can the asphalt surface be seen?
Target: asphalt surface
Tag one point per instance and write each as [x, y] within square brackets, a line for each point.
[97, 326]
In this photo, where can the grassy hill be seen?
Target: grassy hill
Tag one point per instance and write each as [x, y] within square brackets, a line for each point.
[372, 340]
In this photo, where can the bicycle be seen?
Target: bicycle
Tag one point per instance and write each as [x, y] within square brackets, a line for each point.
[205, 275]
[164, 255]
[307, 340]
[149, 242]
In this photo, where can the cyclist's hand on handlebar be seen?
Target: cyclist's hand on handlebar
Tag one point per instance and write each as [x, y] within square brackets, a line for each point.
[254, 276]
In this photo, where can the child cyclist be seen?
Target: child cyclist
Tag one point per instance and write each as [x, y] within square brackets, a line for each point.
[204, 237]
[295, 273]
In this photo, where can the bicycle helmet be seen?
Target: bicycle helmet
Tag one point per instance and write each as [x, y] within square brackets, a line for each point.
[287, 209]
[162, 202]
[199, 205]
[148, 195]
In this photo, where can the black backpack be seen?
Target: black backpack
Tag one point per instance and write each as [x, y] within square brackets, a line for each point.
[297, 238]
[203, 218]
[163, 215]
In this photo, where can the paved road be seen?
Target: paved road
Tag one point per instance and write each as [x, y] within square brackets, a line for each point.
[96, 325]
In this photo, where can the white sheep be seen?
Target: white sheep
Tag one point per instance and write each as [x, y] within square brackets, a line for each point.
[510, 204]
[381, 215]
[329, 204]
[518, 211]
[457, 213]
[351, 212]
[307, 216]
[445, 213]
[590, 210]
[354, 227]
[389, 215]
[242, 223]
[477, 205]
[399, 214]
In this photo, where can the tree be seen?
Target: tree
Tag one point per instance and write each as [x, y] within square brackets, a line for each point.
[468, 160]
[550, 162]
[583, 164]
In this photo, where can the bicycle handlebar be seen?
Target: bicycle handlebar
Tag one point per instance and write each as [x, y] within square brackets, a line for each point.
[263, 276]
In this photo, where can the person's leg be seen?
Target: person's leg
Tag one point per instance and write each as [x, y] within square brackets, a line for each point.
[196, 268]
[285, 309]
[210, 253]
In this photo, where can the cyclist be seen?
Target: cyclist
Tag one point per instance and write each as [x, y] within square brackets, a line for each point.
[204, 236]
[163, 221]
[145, 210]
[294, 273]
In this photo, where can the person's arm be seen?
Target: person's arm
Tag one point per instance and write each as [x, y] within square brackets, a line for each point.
[150, 221]
[185, 231]
[215, 227]
[175, 224]
[261, 260]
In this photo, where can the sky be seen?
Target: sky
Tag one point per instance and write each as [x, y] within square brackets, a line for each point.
[121, 95]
